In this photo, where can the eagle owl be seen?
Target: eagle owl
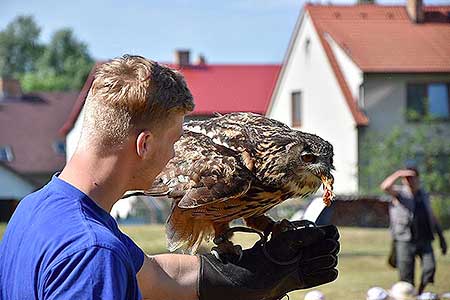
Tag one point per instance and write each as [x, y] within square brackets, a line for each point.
[238, 165]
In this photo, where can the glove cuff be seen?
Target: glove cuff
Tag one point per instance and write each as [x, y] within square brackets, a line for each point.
[213, 284]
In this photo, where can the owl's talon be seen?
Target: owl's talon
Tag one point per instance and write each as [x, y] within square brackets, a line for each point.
[282, 226]
[226, 249]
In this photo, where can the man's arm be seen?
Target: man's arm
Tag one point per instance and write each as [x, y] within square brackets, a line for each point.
[298, 258]
[388, 184]
[169, 276]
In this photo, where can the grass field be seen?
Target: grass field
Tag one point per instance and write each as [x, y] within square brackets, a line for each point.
[362, 260]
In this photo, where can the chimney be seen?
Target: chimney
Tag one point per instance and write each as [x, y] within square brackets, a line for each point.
[182, 58]
[10, 88]
[201, 60]
[415, 10]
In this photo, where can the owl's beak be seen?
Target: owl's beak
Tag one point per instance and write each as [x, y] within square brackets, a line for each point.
[328, 195]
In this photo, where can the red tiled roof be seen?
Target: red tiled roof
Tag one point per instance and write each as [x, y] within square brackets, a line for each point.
[216, 88]
[383, 38]
[30, 127]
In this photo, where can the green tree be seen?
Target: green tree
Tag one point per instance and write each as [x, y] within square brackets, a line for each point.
[383, 154]
[19, 46]
[63, 65]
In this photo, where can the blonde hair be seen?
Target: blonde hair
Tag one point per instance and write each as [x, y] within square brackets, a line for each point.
[129, 92]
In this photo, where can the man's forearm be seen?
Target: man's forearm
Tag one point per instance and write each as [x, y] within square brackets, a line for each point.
[169, 276]
[387, 184]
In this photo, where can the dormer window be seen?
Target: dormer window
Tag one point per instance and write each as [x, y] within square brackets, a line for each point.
[6, 153]
[60, 147]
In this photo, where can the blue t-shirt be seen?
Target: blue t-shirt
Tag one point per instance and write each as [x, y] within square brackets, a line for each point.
[60, 244]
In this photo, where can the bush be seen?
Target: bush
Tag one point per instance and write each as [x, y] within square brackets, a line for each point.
[441, 209]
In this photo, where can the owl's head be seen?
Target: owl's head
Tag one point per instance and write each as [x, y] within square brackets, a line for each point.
[313, 154]
[305, 161]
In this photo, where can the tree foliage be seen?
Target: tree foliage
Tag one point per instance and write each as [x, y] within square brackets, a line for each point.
[62, 64]
[19, 46]
[427, 144]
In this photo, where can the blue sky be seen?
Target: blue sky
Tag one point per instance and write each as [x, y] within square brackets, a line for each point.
[227, 31]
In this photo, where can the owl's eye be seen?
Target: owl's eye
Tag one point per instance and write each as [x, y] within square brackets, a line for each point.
[309, 158]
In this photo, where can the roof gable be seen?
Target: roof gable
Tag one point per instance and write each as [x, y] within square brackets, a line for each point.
[31, 130]
[359, 117]
[383, 38]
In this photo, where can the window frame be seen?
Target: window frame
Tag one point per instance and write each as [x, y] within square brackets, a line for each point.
[425, 116]
[57, 149]
[8, 152]
[296, 122]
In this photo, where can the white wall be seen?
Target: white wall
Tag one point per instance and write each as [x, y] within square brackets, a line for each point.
[325, 111]
[73, 136]
[352, 73]
[13, 186]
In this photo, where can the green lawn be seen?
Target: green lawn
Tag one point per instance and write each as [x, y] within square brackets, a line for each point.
[2, 228]
[362, 261]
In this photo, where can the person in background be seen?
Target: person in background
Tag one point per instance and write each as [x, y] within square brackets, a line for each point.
[377, 293]
[412, 224]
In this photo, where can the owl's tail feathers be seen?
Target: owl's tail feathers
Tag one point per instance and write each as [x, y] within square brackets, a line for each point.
[185, 232]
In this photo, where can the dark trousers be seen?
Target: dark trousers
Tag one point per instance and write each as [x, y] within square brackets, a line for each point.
[406, 254]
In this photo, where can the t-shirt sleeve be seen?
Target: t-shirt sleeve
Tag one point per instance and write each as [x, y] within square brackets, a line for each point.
[137, 255]
[95, 273]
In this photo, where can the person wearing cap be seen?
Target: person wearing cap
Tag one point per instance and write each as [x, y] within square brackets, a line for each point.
[377, 293]
[412, 225]
[402, 290]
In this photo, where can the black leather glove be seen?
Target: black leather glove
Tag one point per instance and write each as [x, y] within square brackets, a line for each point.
[298, 258]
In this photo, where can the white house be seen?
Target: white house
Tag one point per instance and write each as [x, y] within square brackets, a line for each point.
[354, 69]
[13, 186]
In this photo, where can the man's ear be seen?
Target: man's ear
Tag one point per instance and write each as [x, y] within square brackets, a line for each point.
[144, 143]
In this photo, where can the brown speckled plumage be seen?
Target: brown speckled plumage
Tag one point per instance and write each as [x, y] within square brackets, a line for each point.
[238, 165]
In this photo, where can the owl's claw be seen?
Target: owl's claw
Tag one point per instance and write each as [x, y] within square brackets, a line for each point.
[227, 248]
[282, 226]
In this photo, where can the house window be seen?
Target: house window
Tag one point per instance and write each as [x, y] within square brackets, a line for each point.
[6, 153]
[307, 46]
[428, 101]
[60, 147]
[296, 108]
[361, 99]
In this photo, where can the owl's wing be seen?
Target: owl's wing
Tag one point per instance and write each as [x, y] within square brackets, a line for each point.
[231, 132]
[203, 172]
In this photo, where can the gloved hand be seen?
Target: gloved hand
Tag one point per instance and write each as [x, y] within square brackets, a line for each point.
[298, 258]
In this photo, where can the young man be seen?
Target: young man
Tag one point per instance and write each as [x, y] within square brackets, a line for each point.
[62, 243]
[412, 225]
